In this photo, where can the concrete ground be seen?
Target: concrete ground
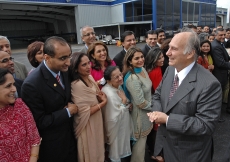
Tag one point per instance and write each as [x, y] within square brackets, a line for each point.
[221, 135]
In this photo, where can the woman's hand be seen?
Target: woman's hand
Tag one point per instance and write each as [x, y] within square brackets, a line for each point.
[101, 96]
[130, 107]
[211, 67]
[121, 94]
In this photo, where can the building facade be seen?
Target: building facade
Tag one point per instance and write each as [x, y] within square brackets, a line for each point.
[25, 20]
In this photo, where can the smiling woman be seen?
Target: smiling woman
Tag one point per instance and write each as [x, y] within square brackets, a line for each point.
[99, 56]
[19, 136]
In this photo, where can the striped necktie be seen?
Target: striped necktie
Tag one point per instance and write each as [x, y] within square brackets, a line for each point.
[174, 87]
[58, 79]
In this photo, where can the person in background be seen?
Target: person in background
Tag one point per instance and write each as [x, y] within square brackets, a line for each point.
[117, 119]
[206, 29]
[88, 36]
[221, 62]
[35, 54]
[164, 49]
[160, 37]
[203, 36]
[20, 69]
[151, 41]
[99, 56]
[211, 37]
[154, 62]
[205, 56]
[19, 136]
[88, 123]
[227, 38]
[128, 40]
[7, 62]
[137, 87]
[199, 29]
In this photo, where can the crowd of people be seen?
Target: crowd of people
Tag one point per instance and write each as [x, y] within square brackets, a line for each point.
[84, 106]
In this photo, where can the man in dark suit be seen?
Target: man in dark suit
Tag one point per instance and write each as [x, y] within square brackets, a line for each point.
[151, 41]
[20, 69]
[186, 104]
[7, 62]
[127, 40]
[221, 61]
[47, 93]
[227, 38]
[88, 37]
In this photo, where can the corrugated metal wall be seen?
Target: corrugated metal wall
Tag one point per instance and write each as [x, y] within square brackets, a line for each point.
[91, 15]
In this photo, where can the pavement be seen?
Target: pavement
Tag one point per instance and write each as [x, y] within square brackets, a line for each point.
[221, 135]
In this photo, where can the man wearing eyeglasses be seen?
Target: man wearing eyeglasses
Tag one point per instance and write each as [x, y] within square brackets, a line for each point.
[88, 37]
[47, 93]
[6, 62]
[20, 69]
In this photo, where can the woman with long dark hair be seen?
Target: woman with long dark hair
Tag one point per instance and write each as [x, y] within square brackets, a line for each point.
[88, 124]
[137, 87]
[205, 58]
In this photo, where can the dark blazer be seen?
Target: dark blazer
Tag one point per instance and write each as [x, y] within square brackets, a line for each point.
[145, 50]
[193, 113]
[46, 99]
[18, 85]
[221, 62]
[118, 59]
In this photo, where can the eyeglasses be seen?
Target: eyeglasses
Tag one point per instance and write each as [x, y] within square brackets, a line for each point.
[117, 77]
[64, 58]
[88, 34]
[6, 60]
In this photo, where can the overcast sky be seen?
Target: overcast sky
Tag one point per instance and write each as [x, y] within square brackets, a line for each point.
[223, 3]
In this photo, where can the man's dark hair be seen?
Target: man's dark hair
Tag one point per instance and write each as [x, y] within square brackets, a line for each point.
[49, 45]
[3, 73]
[228, 29]
[125, 34]
[150, 32]
[191, 26]
[199, 26]
[158, 31]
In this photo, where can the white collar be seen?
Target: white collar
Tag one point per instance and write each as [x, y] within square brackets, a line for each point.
[183, 73]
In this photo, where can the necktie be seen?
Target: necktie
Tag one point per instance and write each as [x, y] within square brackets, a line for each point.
[58, 79]
[174, 86]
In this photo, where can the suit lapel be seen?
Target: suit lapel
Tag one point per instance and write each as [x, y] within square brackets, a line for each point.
[51, 81]
[167, 83]
[185, 88]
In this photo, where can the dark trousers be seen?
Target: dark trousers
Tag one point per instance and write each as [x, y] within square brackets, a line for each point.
[151, 138]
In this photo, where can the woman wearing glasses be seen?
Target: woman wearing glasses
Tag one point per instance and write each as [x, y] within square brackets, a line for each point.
[88, 124]
[117, 119]
[100, 60]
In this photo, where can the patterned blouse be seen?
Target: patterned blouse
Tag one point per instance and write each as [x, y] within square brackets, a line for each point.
[18, 132]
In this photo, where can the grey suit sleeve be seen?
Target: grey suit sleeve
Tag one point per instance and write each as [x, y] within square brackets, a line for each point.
[207, 106]
[34, 101]
[217, 56]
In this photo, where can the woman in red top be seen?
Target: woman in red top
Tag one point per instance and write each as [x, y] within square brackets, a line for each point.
[154, 62]
[19, 137]
[205, 58]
